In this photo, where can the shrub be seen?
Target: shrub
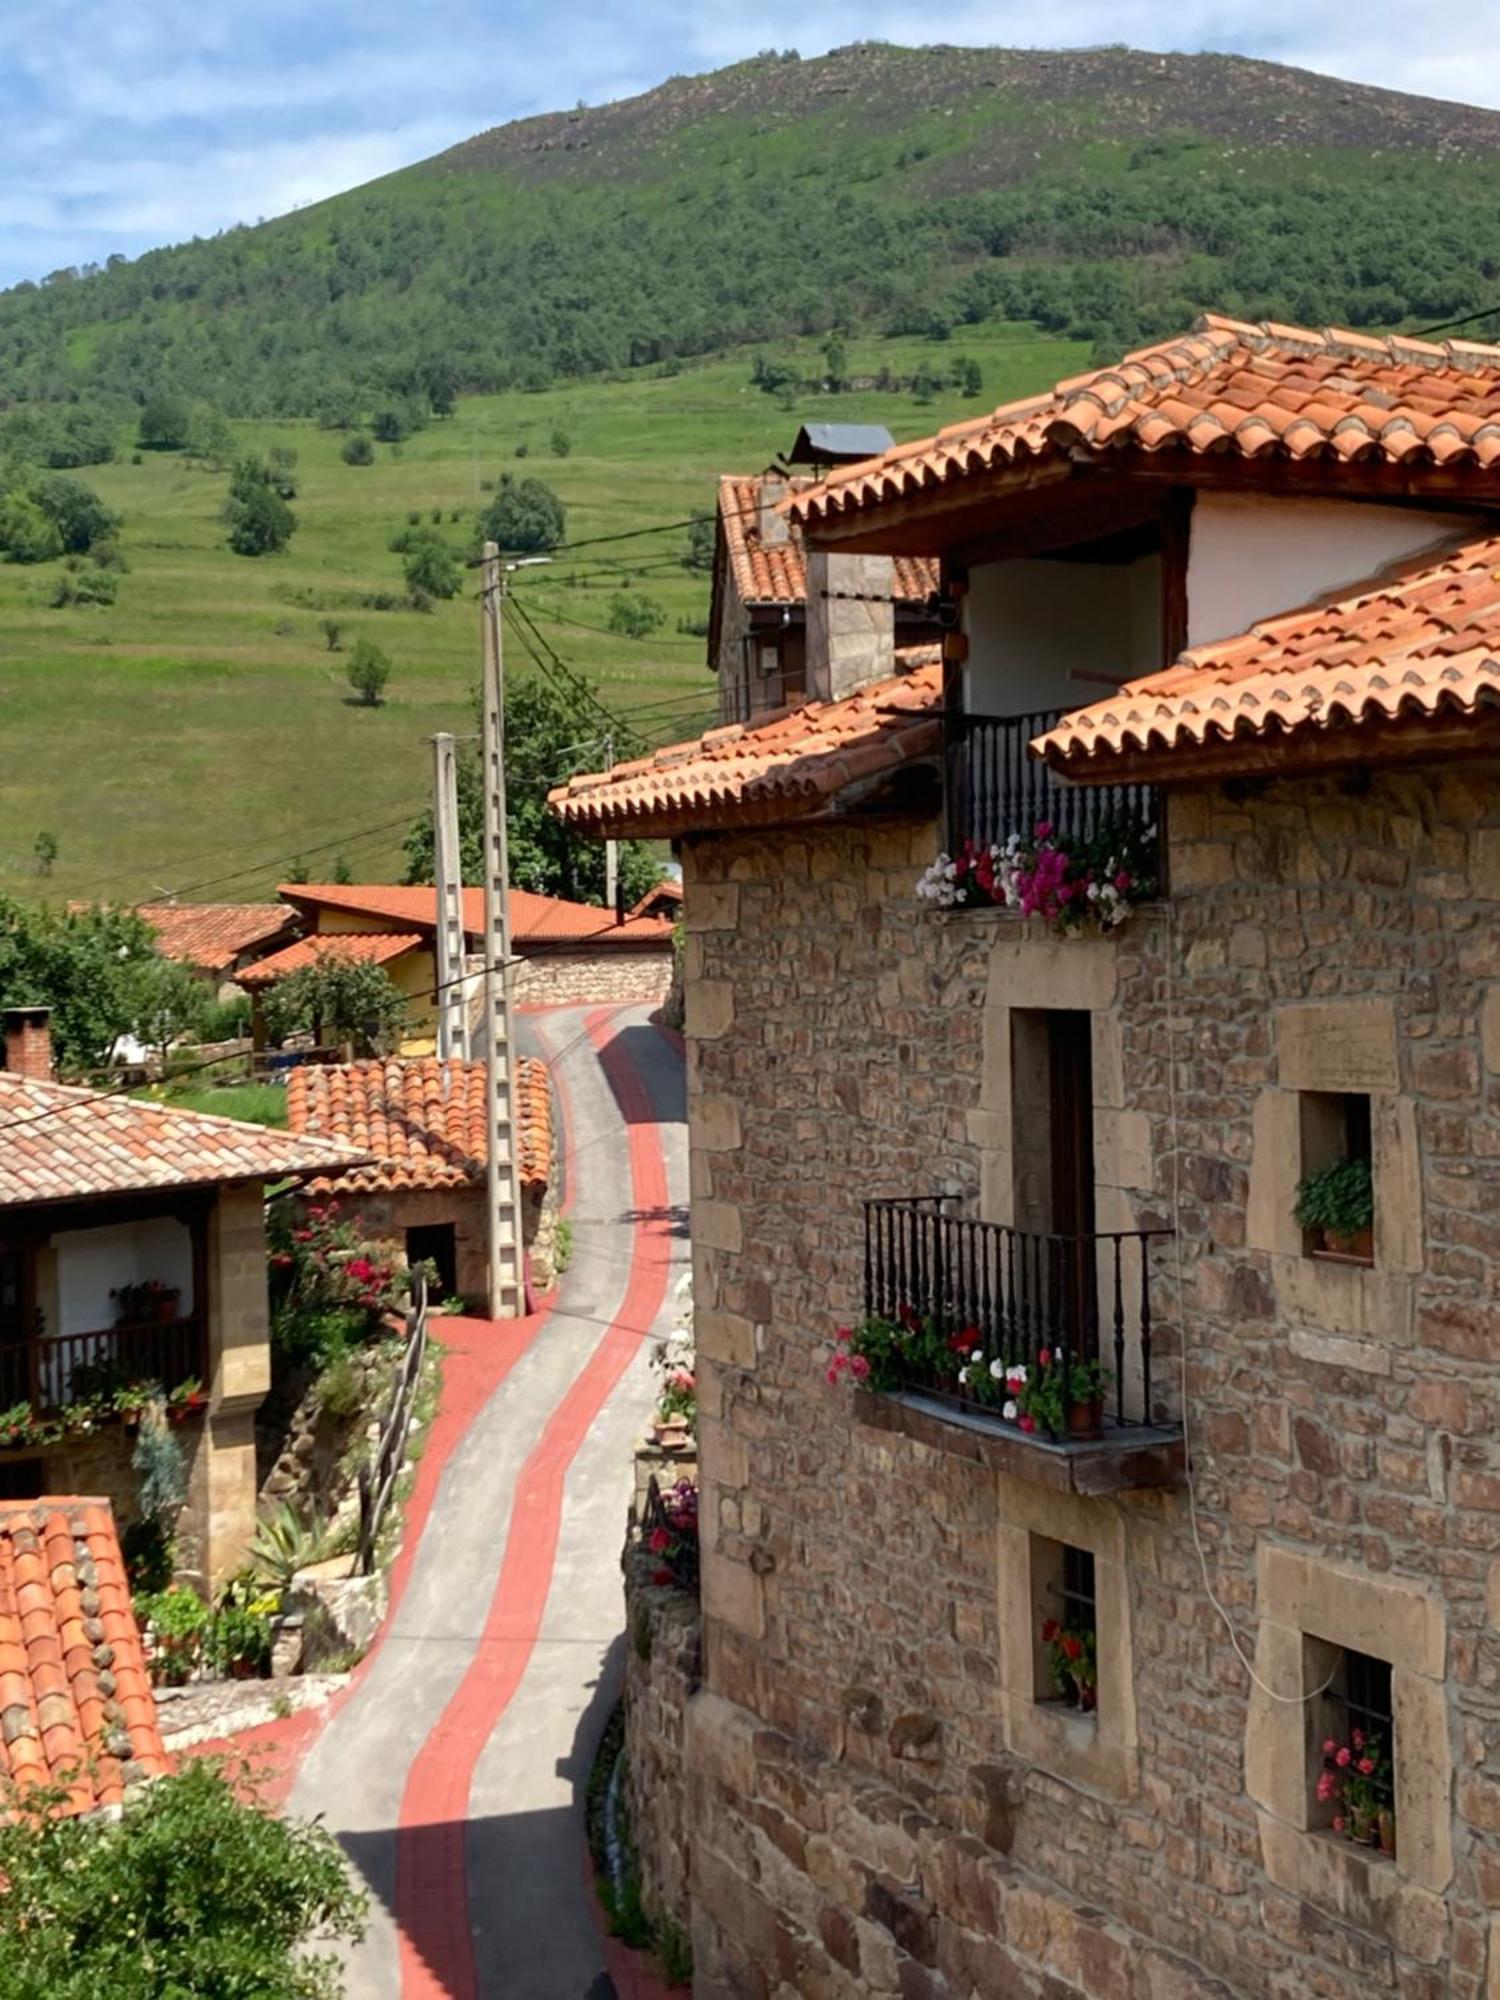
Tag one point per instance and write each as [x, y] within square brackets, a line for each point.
[333, 633]
[82, 583]
[358, 450]
[635, 617]
[525, 518]
[431, 570]
[341, 1387]
[283, 1545]
[196, 1890]
[258, 520]
[368, 672]
[562, 444]
[180, 1623]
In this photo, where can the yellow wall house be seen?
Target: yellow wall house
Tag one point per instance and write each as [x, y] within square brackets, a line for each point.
[132, 1252]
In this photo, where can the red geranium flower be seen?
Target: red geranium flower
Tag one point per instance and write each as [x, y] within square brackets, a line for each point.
[1072, 1648]
[1050, 1629]
[661, 1576]
[660, 1541]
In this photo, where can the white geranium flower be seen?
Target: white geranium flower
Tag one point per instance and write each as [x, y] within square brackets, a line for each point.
[963, 1377]
[997, 1368]
[1016, 1373]
[977, 1355]
[1008, 1411]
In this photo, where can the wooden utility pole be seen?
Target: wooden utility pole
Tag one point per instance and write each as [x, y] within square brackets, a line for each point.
[447, 873]
[503, 1179]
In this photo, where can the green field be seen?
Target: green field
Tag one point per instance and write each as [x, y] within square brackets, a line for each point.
[198, 737]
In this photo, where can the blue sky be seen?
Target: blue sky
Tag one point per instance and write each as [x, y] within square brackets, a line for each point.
[136, 122]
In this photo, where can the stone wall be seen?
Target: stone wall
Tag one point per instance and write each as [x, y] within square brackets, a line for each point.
[868, 1806]
[663, 1634]
[576, 979]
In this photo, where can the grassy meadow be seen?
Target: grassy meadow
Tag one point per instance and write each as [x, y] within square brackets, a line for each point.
[199, 737]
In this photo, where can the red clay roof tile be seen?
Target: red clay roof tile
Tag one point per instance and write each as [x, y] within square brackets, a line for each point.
[423, 1121]
[776, 572]
[212, 936]
[367, 947]
[534, 919]
[56, 1727]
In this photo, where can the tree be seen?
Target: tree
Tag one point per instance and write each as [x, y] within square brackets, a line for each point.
[75, 510]
[258, 520]
[368, 671]
[699, 552]
[968, 377]
[210, 438]
[44, 847]
[166, 422]
[394, 422]
[339, 408]
[551, 730]
[358, 450]
[281, 471]
[167, 1001]
[27, 534]
[562, 444]
[333, 633]
[634, 616]
[836, 360]
[196, 1890]
[84, 965]
[431, 569]
[339, 998]
[525, 517]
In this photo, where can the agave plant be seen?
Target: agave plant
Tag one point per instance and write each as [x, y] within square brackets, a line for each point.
[283, 1544]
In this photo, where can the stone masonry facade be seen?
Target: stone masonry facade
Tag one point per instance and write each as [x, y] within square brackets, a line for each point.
[873, 1808]
[576, 979]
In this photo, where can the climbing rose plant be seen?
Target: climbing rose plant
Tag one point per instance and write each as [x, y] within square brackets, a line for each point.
[1091, 884]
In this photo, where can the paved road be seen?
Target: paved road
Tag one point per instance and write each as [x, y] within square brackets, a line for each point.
[454, 1773]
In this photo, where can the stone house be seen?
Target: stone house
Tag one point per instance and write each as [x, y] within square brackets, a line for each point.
[571, 953]
[421, 1191]
[770, 599]
[132, 1250]
[1233, 602]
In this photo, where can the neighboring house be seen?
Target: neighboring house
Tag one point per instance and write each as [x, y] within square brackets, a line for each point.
[100, 1192]
[570, 951]
[663, 900]
[75, 1692]
[1241, 588]
[422, 1189]
[772, 602]
[219, 940]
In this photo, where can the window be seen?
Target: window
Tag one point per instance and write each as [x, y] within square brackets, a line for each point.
[21, 1479]
[435, 1243]
[1335, 1192]
[1352, 1751]
[1052, 1097]
[1067, 1624]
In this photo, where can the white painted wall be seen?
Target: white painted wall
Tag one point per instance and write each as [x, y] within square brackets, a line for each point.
[1046, 634]
[90, 1263]
[1251, 555]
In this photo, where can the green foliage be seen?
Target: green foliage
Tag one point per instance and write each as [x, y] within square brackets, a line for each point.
[166, 423]
[635, 616]
[83, 583]
[27, 533]
[358, 450]
[333, 633]
[44, 848]
[551, 729]
[284, 1544]
[344, 998]
[368, 672]
[210, 438]
[85, 964]
[180, 1623]
[1339, 1200]
[562, 444]
[698, 554]
[62, 436]
[149, 1556]
[159, 1465]
[167, 1000]
[430, 568]
[525, 518]
[75, 510]
[256, 517]
[341, 1387]
[197, 1890]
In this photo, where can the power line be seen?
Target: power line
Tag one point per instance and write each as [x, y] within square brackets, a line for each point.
[636, 638]
[1447, 325]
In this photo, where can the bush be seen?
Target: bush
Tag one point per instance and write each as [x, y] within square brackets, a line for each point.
[225, 1020]
[82, 583]
[333, 633]
[525, 518]
[196, 1890]
[258, 520]
[180, 1623]
[358, 450]
[27, 534]
[369, 670]
[635, 617]
[431, 569]
[562, 444]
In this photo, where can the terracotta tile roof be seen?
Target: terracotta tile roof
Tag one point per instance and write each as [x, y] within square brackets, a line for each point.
[665, 891]
[776, 573]
[422, 1122]
[373, 947]
[534, 919]
[1420, 641]
[1264, 391]
[76, 1707]
[213, 935]
[784, 768]
[62, 1143]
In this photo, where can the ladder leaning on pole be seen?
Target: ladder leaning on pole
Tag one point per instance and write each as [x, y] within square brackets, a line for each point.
[452, 987]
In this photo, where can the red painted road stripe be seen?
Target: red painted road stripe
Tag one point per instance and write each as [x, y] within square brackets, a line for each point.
[432, 1892]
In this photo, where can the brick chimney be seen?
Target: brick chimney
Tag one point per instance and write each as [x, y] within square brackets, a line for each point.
[28, 1042]
[851, 622]
[773, 528]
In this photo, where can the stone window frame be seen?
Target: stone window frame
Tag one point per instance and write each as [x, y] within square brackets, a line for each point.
[1349, 1316]
[1099, 1751]
[1302, 1597]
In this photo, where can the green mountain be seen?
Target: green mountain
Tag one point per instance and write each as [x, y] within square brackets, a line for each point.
[1102, 195]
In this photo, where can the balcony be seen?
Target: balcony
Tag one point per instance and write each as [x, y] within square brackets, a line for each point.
[996, 788]
[95, 1372]
[1073, 1299]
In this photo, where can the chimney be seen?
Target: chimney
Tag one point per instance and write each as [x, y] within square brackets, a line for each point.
[28, 1042]
[774, 529]
[851, 622]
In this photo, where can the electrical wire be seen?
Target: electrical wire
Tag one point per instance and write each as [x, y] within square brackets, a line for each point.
[1447, 325]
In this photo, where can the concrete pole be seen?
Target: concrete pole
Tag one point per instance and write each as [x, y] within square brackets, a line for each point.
[452, 1001]
[503, 1178]
[611, 851]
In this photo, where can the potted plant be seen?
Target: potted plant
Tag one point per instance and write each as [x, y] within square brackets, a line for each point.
[1085, 1399]
[1358, 1780]
[1337, 1204]
[1073, 1661]
[186, 1400]
[149, 1302]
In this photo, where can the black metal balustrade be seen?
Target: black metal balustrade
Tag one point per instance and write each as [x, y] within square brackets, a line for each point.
[51, 1373]
[997, 788]
[1080, 1298]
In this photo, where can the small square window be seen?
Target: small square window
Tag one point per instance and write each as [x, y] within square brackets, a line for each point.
[1067, 1665]
[1352, 1746]
[1335, 1188]
[21, 1479]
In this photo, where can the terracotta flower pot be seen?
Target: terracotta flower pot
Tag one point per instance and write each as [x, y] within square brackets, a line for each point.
[166, 1311]
[1086, 1420]
[1361, 1244]
[1385, 1831]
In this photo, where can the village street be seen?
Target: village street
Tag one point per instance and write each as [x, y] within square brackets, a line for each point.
[453, 1773]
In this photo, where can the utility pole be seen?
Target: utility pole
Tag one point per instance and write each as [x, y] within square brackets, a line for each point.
[611, 851]
[503, 1180]
[447, 873]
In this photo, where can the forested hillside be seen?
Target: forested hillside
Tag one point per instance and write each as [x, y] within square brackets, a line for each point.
[1101, 195]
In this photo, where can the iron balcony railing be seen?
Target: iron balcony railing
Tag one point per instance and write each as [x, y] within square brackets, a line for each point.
[1080, 1298]
[997, 788]
[50, 1373]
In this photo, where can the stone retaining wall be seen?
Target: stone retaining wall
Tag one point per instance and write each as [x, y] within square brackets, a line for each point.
[574, 979]
[662, 1663]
